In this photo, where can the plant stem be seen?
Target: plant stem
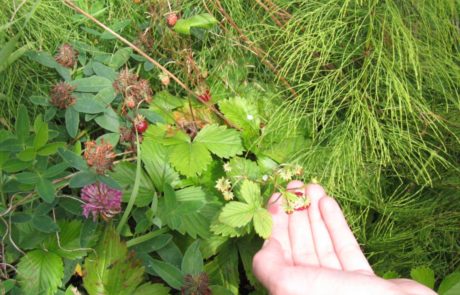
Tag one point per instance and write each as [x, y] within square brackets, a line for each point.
[146, 237]
[137, 182]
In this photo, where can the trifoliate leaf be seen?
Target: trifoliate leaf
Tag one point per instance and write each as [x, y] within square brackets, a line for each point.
[40, 272]
[221, 141]
[236, 214]
[250, 193]
[424, 275]
[190, 158]
[263, 223]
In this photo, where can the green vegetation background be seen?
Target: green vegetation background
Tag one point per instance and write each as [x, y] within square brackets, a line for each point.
[376, 118]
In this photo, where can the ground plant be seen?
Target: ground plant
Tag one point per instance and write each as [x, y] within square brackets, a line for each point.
[141, 140]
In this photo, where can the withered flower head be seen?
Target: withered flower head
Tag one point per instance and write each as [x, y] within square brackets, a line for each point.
[61, 95]
[143, 91]
[99, 156]
[134, 90]
[66, 56]
[196, 285]
[124, 81]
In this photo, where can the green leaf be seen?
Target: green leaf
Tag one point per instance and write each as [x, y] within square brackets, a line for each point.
[41, 136]
[82, 178]
[22, 123]
[40, 272]
[27, 177]
[106, 96]
[109, 120]
[450, 285]
[45, 189]
[204, 21]
[87, 104]
[7, 285]
[150, 289]
[91, 84]
[217, 289]
[72, 120]
[236, 214]
[26, 155]
[13, 166]
[111, 138]
[263, 223]
[43, 58]
[117, 27]
[120, 57]
[242, 113]
[153, 244]
[192, 263]
[44, 223]
[391, 275]
[250, 193]
[111, 271]
[69, 240]
[50, 148]
[40, 100]
[221, 141]
[424, 275]
[73, 159]
[168, 272]
[104, 71]
[190, 158]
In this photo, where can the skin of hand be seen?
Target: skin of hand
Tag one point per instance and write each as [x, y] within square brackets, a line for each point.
[313, 251]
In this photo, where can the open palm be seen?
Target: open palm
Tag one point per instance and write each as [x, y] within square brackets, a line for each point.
[314, 251]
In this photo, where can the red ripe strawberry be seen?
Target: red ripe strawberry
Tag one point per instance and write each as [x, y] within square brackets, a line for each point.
[171, 19]
[140, 124]
[206, 96]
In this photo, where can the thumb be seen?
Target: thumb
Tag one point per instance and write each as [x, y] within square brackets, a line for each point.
[268, 262]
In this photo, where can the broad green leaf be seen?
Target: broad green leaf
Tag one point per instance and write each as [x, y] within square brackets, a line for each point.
[7, 285]
[22, 123]
[20, 217]
[106, 95]
[50, 148]
[166, 101]
[13, 166]
[44, 223]
[104, 71]
[168, 272]
[41, 136]
[224, 269]
[43, 58]
[109, 120]
[250, 193]
[424, 275]
[72, 120]
[27, 177]
[204, 21]
[40, 272]
[40, 100]
[26, 155]
[263, 223]
[73, 159]
[236, 214]
[111, 138]
[45, 189]
[248, 246]
[192, 263]
[112, 271]
[69, 240]
[87, 104]
[217, 289]
[82, 178]
[91, 84]
[73, 206]
[150, 289]
[120, 57]
[242, 113]
[156, 161]
[190, 158]
[153, 244]
[219, 140]
[450, 285]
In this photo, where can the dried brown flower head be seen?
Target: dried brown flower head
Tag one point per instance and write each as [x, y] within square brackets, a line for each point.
[133, 89]
[99, 156]
[196, 285]
[61, 95]
[66, 56]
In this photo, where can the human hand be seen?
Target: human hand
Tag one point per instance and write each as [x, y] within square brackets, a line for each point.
[313, 251]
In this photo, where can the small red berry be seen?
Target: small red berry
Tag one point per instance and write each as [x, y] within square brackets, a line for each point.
[130, 103]
[206, 96]
[171, 19]
[142, 126]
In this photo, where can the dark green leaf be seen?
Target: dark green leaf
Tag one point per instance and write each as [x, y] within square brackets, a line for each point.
[41, 135]
[192, 263]
[153, 244]
[45, 189]
[73, 159]
[20, 217]
[168, 272]
[40, 100]
[104, 71]
[117, 27]
[13, 166]
[150, 289]
[50, 148]
[72, 120]
[27, 177]
[87, 104]
[43, 58]
[44, 223]
[91, 84]
[55, 170]
[109, 121]
[82, 178]
[120, 57]
[71, 205]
